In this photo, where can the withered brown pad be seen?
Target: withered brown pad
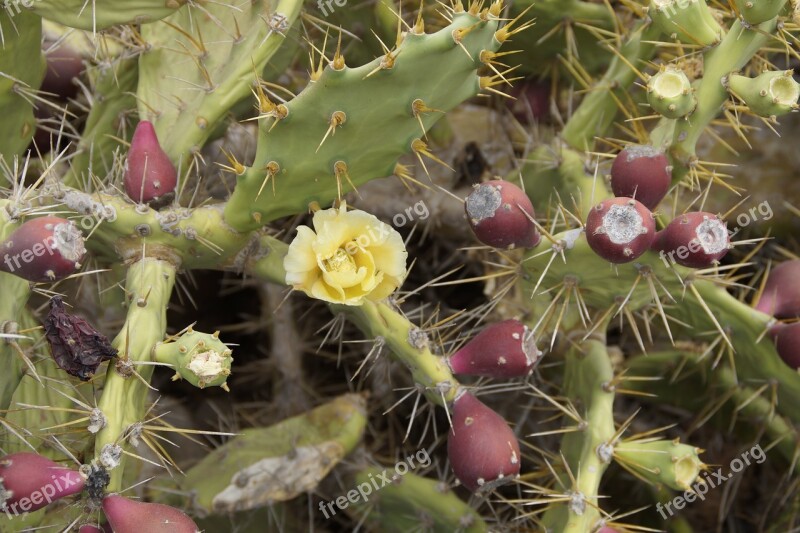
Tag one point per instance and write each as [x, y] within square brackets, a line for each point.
[77, 347]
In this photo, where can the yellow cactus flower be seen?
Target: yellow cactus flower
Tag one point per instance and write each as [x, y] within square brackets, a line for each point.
[349, 256]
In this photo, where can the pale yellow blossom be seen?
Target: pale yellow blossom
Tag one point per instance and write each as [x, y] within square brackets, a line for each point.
[349, 256]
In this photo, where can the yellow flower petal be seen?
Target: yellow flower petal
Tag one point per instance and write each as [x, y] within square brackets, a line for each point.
[347, 257]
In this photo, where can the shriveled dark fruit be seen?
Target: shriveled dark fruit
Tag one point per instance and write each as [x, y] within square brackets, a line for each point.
[781, 295]
[620, 229]
[43, 249]
[502, 350]
[500, 214]
[29, 481]
[64, 65]
[77, 347]
[695, 240]
[129, 516]
[787, 342]
[483, 451]
[150, 176]
[643, 173]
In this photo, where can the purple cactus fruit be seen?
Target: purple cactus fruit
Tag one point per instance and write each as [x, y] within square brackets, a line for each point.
[501, 214]
[620, 229]
[781, 296]
[29, 482]
[129, 516]
[64, 65]
[483, 451]
[532, 101]
[643, 173]
[150, 176]
[502, 350]
[43, 249]
[695, 240]
[787, 342]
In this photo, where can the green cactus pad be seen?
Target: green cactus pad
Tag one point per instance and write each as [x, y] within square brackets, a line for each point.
[22, 68]
[334, 134]
[200, 358]
[102, 14]
[279, 462]
[201, 61]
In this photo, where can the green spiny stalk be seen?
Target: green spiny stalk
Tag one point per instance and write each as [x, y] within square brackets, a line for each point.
[412, 501]
[587, 375]
[148, 288]
[740, 327]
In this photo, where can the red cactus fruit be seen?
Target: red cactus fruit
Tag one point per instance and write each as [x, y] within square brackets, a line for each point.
[500, 214]
[92, 528]
[695, 240]
[502, 350]
[787, 342]
[643, 173]
[29, 482]
[781, 296]
[620, 229]
[483, 451]
[129, 516]
[64, 65]
[43, 249]
[150, 176]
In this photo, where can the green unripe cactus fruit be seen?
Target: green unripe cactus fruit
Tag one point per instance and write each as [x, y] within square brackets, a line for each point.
[758, 11]
[663, 462]
[770, 94]
[199, 358]
[690, 22]
[670, 93]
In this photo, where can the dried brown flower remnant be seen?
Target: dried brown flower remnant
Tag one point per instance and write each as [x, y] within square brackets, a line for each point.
[76, 346]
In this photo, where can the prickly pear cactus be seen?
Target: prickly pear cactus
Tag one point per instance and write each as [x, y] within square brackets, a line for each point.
[507, 266]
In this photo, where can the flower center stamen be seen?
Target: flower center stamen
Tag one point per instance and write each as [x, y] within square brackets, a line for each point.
[340, 261]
